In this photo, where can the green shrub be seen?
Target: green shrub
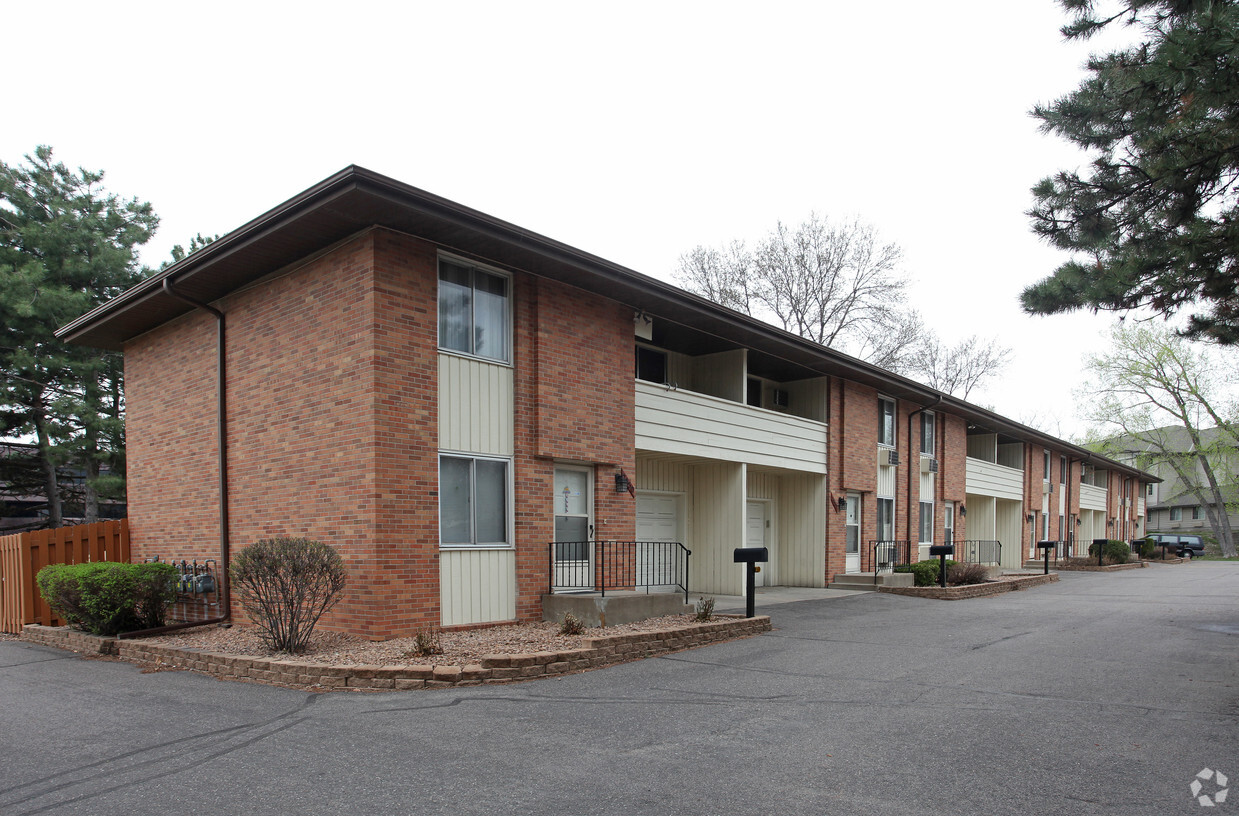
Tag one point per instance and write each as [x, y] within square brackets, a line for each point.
[286, 585]
[925, 572]
[963, 574]
[705, 608]
[1148, 548]
[109, 597]
[1113, 552]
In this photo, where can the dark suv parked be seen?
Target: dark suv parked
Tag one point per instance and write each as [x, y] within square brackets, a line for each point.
[1183, 544]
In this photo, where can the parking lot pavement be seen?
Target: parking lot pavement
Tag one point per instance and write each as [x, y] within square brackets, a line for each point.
[1104, 693]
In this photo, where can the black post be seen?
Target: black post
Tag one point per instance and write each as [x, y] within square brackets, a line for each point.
[1047, 562]
[750, 581]
[942, 570]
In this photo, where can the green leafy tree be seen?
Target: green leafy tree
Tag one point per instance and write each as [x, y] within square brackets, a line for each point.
[1159, 400]
[1153, 222]
[66, 245]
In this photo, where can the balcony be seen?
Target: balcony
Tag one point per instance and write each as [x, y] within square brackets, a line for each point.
[697, 425]
[992, 479]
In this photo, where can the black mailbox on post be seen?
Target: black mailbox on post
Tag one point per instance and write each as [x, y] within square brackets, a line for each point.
[751, 556]
[942, 551]
[1045, 547]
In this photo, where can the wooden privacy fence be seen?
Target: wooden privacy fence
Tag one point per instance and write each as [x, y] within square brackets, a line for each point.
[22, 555]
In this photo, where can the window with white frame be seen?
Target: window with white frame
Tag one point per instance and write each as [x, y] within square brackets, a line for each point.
[473, 501]
[927, 433]
[948, 522]
[1062, 470]
[1176, 514]
[886, 520]
[886, 421]
[1198, 513]
[473, 311]
[927, 523]
[1046, 472]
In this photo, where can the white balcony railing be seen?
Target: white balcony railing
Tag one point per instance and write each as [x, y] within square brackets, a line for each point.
[691, 424]
[992, 479]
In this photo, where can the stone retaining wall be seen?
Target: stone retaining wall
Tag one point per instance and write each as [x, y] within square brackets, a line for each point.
[1107, 568]
[597, 652]
[959, 593]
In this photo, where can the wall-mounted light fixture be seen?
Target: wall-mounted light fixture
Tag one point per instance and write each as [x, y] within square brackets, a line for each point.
[1079, 521]
[843, 503]
[963, 511]
[622, 483]
[1030, 518]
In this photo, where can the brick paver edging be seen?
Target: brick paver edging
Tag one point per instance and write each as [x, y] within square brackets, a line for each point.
[1106, 568]
[959, 593]
[597, 652]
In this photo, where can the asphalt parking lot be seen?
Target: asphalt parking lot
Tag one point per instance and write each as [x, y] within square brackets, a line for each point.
[1104, 693]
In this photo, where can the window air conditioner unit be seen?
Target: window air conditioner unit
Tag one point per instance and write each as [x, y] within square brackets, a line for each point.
[892, 457]
[933, 465]
[780, 398]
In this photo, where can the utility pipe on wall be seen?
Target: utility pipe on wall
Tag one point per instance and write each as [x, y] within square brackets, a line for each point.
[221, 431]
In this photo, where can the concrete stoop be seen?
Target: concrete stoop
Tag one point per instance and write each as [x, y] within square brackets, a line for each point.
[618, 606]
[863, 581]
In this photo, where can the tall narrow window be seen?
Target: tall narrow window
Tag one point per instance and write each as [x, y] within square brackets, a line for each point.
[948, 522]
[473, 311]
[1046, 472]
[927, 523]
[886, 520]
[927, 433]
[1062, 470]
[886, 422]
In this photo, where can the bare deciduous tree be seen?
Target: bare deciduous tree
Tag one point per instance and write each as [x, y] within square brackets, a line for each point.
[840, 285]
[958, 369]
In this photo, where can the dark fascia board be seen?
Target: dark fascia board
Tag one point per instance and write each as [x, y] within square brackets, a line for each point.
[356, 198]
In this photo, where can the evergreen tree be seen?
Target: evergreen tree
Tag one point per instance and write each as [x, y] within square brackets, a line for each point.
[1154, 223]
[66, 245]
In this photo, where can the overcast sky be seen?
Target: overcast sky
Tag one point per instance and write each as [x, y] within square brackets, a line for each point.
[634, 131]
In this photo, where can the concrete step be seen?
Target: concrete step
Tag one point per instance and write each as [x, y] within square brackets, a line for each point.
[863, 581]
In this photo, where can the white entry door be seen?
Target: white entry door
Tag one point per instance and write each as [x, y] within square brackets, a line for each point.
[755, 528]
[574, 528]
[852, 559]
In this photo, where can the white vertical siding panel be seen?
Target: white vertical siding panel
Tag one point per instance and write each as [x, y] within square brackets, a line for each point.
[807, 398]
[886, 482]
[1010, 516]
[802, 531]
[762, 485]
[721, 375]
[927, 487]
[475, 406]
[477, 586]
[719, 508]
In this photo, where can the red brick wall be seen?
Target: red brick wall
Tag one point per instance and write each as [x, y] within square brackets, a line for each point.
[170, 425]
[953, 470]
[574, 399]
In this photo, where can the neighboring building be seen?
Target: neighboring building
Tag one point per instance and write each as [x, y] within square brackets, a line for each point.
[442, 395]
[22, 507]
[1173, 505]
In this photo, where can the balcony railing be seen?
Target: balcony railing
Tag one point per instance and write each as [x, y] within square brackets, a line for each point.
[596, 566]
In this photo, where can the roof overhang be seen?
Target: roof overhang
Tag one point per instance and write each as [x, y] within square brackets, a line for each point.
[356, 199]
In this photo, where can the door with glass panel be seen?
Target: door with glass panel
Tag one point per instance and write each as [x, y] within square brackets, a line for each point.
[574, 528]
[852, 561]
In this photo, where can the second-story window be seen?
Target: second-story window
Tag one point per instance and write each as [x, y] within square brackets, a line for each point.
[1046, 472]
[927, 433]
[886, 422]
[651, 365]
[1062, 470]
[473, 311]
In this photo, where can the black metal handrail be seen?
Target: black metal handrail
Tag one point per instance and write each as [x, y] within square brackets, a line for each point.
[978, 551]
[886, 555]
[596, 566]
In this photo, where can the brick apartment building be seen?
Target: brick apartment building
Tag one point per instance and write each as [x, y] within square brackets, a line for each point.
[441, 395]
